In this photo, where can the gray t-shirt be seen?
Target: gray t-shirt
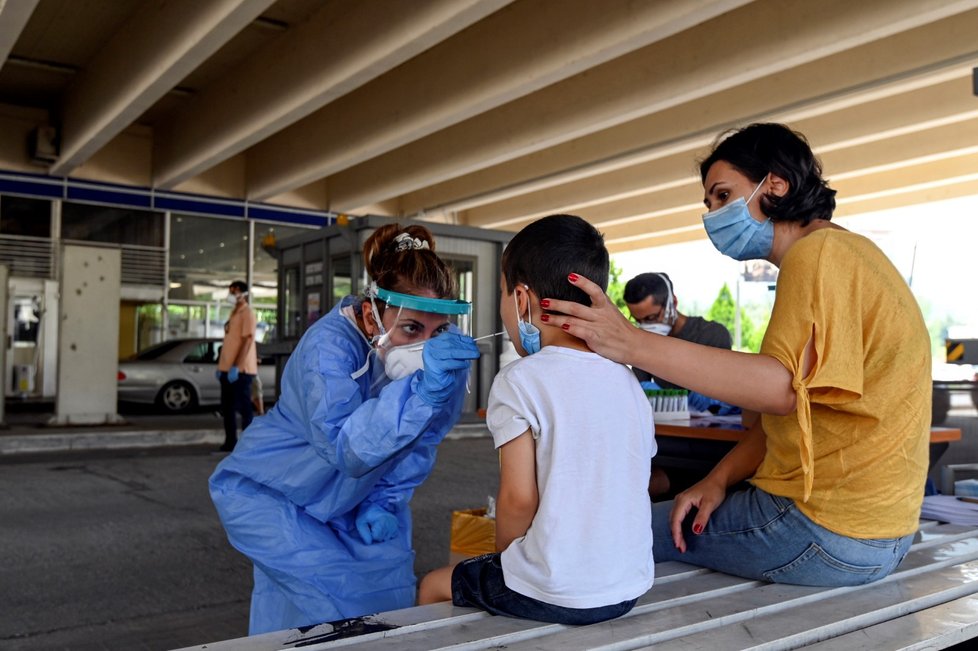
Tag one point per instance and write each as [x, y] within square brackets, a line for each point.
[699, 331]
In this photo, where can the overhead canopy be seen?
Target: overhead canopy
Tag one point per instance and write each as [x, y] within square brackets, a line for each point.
[491, 113]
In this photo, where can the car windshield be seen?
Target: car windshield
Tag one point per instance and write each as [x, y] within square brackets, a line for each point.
[157, 350]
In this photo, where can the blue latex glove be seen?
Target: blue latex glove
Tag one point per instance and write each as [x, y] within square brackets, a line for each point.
[699, 402]
[233, 374]
[376, 524]
[217, 374]
[446, 362]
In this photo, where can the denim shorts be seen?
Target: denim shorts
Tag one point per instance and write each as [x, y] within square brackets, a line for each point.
[479, 582]
[765, 537]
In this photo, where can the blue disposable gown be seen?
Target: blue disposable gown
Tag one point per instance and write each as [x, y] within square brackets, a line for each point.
[340, 438]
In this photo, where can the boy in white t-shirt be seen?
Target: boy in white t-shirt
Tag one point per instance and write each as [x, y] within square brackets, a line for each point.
[575, 437]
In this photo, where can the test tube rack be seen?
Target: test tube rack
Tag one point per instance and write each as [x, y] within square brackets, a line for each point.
[668, 404]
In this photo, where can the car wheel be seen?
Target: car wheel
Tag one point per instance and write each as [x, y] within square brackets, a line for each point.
[177, 397]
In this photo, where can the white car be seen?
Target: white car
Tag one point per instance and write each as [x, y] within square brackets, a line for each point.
[179, 375]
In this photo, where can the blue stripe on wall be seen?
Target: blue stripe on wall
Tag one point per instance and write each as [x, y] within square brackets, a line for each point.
[267, 213]
[201, 207]
[105, 195]
[53, 187]
[30, 188]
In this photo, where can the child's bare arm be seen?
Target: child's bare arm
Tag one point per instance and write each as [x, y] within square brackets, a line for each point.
[518, 499]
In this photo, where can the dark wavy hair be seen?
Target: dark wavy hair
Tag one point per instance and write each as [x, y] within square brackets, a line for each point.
[762, 148]
[546, 251]
[407, 270]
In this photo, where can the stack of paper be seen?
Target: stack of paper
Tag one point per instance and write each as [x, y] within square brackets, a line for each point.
[948, 508]
[966, 487]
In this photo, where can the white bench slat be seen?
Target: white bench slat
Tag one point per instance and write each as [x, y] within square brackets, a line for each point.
[507, 630]
[715, 611]
[933, 628]
[677, 585]
[688, 603]
[856, 609]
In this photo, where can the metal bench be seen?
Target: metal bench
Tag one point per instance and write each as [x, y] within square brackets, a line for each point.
[930, 602]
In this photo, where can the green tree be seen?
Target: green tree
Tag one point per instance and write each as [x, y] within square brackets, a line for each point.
[723, 311]
[616, 287]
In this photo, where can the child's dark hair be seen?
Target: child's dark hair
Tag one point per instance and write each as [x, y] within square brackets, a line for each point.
[545, 252]
[402, 259]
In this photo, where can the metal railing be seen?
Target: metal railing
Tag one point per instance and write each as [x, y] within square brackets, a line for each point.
[29, 257]
[143, 265]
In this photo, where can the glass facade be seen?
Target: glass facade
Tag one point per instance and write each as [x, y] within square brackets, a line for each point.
[85, 222]
[176, 268]
[264, 279]
[206, 255]
[23, 216]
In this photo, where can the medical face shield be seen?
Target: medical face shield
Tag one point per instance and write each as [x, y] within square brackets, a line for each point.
[402, 361]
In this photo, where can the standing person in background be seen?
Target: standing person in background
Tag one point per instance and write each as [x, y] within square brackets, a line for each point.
[257, 399]
[238, 364]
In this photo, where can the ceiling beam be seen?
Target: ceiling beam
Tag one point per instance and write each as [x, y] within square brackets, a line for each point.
[156, 49]
[692, 65]
[888, 66]
[343, 46]
[918, 180]
[876, 116]
[921, 194]
[13, 17]
[512, 53]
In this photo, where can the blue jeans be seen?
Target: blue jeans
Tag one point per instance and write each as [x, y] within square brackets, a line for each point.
[479, 582]
[765, 537]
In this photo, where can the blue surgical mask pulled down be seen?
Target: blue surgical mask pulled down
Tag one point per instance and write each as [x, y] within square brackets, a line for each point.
[736, 234]
[529, 333]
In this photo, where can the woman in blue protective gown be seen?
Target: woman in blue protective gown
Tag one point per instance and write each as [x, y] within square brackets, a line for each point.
[316, 492]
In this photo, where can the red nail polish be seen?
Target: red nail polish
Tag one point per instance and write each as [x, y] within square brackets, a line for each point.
[545, 302]
[697, 529]
[566, 326]
[544, 317]
[573, 277]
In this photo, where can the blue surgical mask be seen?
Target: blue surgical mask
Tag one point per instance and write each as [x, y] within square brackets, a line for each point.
[529, 333]
[736, 234]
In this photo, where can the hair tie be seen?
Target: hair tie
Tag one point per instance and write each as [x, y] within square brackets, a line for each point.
[404, 242]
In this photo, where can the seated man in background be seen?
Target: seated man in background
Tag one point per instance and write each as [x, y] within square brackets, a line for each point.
[653, 306]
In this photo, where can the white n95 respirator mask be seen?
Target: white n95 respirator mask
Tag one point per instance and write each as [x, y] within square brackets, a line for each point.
[656, 328]
[403, 361]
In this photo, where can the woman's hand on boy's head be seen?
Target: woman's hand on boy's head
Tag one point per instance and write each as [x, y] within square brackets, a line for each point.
[602, 326]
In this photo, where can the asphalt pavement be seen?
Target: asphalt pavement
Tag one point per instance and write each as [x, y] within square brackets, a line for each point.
[120, 547]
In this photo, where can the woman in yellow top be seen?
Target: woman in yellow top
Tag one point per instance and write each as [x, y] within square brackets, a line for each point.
[837, 460]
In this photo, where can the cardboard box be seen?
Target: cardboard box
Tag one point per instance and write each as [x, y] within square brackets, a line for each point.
[473, 534]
